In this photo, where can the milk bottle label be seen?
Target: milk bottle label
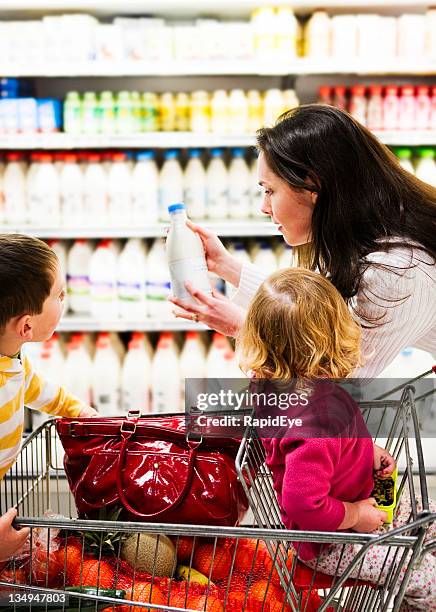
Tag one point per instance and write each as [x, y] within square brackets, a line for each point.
[158, 290]
[78, 285]
[193, 270]
[129, 292]
[103, 291]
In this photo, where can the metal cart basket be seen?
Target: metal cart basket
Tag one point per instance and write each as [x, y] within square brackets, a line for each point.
[74, 564]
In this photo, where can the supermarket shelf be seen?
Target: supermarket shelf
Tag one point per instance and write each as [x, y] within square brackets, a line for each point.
[156, 140]
[223, 228]
[175, 8]
[252, 67]
[164, 140]
[86, 324]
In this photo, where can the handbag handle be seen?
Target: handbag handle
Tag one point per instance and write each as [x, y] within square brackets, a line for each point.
[126, 435]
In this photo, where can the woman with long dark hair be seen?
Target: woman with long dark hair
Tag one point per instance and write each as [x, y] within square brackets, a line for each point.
[350, 212]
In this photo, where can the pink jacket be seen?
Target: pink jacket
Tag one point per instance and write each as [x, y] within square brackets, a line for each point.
[314, 475]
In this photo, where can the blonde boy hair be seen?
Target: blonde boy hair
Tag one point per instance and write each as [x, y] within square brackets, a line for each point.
[298, 326]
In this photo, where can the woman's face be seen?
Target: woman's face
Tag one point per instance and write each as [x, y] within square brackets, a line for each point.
[290, 209]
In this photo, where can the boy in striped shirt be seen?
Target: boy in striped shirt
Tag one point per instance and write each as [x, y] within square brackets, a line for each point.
[32, 291]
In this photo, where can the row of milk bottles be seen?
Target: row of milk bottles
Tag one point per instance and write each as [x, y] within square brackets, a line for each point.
[115, 381]
[108, 281]
[74, 190]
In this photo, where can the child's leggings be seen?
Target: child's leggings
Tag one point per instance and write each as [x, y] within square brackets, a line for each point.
[421, 590]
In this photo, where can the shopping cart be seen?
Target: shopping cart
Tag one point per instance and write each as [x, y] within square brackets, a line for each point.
[404, 546]
[76, 564]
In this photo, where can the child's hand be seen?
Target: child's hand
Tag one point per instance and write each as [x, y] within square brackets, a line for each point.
[369, 518]
[88, 412]
[384, 463]
[11, 539]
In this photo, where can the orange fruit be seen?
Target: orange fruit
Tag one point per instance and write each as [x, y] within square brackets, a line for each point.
[235, 601]
[250, 556]
[209, 604]
[216, 565]
[263, 596]
[143, 592]
[270, 567]
[184, 546]
[92, 572]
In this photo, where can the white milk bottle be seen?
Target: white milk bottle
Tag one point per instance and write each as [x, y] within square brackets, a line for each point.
[185, 256]
[145, 190]
[170, 183]
[405, 159]
[273, 106]
[317, 36]
[120, 196]
[217, 186]
[238, 112]
[78, 283]
[103, 279]
[286, 29]
[195, 186]
[77, 371]
[239, 250]
[265, 258]
[14, 186]
[52, 360]
[106, 377]
[216, 363]
[135, 376]
[426, 167]
[165, 376]
[131, 281]
[71, 183]
[158, 283]
[60, 249]
[239, 186]
[44, 194]
[192, 363]
[95, 192]
[219, 112]
[256, 193]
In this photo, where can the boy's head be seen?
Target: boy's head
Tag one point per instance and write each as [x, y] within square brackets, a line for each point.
[32, 289]
[298, 326]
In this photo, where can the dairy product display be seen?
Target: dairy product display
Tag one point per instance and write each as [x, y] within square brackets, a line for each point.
[386, 107]
[127, 112]
[115, 189]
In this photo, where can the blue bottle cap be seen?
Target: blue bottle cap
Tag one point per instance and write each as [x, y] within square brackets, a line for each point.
[143, 155]
[171, 154]
[194, 153]
[216, 152]
[174, 207]
[238, 152]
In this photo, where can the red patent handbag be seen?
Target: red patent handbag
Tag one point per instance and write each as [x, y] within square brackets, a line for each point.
[151, 470]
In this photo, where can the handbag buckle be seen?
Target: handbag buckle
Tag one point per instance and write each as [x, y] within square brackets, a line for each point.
[71, 427]
[128, 427]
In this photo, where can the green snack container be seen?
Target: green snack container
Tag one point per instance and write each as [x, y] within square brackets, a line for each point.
[385, 494]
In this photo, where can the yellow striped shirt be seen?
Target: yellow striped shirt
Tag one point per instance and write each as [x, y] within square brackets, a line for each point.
[21, 386]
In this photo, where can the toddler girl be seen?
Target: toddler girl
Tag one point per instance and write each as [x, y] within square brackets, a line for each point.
[299, 329]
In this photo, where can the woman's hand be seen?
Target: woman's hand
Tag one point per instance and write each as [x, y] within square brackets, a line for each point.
[215, 311]
[218, 259]
[384, 463]
[369, 518]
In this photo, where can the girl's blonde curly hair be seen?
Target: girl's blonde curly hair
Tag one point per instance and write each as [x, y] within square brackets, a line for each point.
[298, 326]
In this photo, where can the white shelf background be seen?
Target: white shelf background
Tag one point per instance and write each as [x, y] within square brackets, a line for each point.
[223, 228]
[165, 140]
[253, 67]
[178, 8]
[71, 323]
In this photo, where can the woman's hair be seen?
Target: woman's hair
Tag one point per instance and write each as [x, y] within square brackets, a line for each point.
[298, 326]
[364, 196]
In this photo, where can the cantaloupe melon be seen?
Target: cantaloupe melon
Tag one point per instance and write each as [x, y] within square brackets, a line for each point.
[152, 553]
